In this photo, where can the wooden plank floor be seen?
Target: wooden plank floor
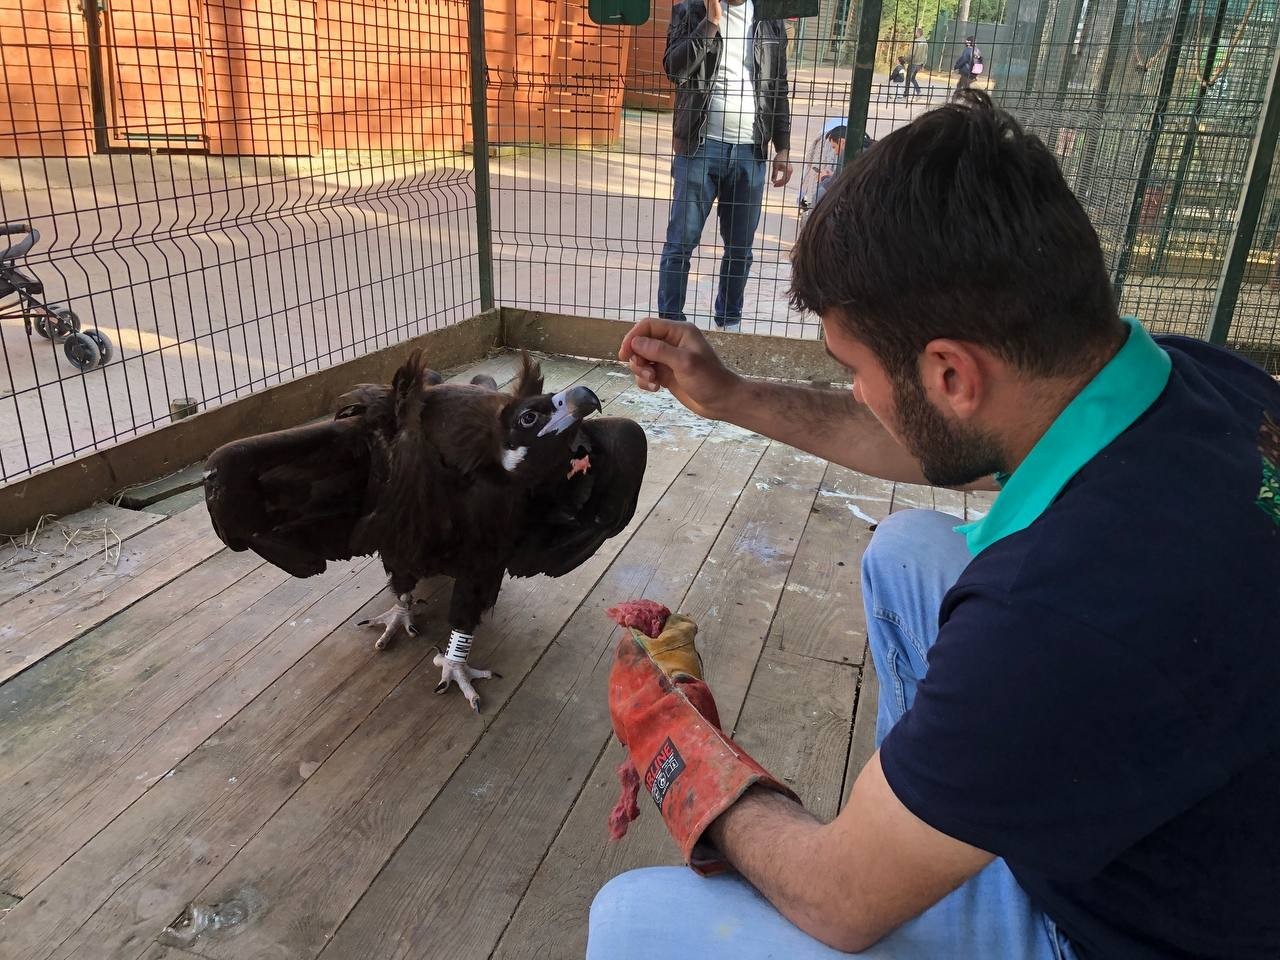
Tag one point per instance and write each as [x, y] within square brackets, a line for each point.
[187, 733]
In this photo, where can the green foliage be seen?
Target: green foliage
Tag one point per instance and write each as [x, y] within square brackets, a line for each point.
[987, 11]
[900, 18]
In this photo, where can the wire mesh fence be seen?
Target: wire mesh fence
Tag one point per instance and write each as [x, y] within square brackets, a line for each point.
[232, 193]
[227, 196]
[583, 182]
[1151, 109]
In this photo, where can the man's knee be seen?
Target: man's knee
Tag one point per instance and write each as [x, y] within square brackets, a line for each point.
[906, 538]
[624, 908]
[626, 890]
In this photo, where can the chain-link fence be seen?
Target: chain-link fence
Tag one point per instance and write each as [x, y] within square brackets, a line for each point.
[232, 193]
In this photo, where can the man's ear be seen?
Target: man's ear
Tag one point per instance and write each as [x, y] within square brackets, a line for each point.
[955, 375]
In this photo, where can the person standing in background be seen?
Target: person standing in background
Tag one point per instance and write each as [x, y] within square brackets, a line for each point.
[730, 72]
[918, 58]
[964, 65]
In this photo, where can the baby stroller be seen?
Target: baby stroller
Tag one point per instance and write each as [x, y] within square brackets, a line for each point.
[820, 160]
[85, 349]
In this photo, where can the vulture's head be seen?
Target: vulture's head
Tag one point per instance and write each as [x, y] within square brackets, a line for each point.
[529, 435]
[540, 430]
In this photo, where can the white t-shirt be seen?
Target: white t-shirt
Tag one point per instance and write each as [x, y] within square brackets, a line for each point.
[732, 111]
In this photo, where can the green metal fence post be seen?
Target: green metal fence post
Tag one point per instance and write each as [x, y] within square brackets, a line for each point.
[1102, 98]
[1189, 142]
[1037, 38]
[1261, 158]
[480, 152]
[864, 66]
[1168, 74]
[1069, 59]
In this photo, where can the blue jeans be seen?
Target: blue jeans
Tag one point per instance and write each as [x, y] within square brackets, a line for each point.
[731, 175]
[670, 912]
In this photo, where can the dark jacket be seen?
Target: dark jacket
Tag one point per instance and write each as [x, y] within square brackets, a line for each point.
[693, 51]
[964, 62]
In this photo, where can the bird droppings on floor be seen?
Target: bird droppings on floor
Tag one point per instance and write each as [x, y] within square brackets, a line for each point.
[841, 495]
[207, 920]
[860, 513]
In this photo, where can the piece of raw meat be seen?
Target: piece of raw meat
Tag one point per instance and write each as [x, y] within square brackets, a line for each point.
[646, 616]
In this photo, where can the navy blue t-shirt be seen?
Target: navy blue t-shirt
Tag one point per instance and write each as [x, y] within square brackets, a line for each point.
[1102, 705]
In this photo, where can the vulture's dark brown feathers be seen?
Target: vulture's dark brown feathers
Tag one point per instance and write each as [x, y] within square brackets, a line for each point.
[452, 479]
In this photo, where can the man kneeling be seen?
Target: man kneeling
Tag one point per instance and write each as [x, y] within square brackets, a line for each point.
[1079, 726]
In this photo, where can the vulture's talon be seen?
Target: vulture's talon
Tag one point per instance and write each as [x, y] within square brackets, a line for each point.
[396, 619]
[459, 672]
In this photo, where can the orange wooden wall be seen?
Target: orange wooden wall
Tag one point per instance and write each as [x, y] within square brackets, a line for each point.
[647, 85]
[555, 77]
[293, 77]
[44, 66]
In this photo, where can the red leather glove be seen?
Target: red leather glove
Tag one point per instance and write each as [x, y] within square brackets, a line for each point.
[665, 716]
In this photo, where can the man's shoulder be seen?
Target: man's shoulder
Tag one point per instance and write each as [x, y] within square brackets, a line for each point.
[1168, 511]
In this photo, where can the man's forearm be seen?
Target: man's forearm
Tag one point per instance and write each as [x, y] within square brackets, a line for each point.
[779, 847]
[827, 423]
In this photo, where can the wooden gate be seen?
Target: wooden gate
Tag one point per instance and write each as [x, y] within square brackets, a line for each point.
[154, 73]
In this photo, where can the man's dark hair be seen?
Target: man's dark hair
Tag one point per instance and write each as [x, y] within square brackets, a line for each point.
[837, 133]
[959, 225]
[968, 39]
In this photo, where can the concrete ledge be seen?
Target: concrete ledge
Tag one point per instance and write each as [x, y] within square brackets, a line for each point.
[100, 475]
[753, 354]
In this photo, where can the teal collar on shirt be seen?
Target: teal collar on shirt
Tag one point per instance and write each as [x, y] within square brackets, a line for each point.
[1119, 394]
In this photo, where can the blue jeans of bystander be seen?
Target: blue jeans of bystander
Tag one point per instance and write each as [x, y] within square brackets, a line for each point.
[732, 176]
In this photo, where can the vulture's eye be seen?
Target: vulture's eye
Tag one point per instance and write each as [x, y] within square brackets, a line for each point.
[528, 418]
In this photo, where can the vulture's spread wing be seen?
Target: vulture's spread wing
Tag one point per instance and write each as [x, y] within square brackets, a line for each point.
[567, 520]
[293, 497]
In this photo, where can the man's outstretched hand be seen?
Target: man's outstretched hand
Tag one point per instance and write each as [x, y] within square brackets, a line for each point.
[675, 355]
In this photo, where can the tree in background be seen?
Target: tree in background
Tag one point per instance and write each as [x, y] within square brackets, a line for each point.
[900, 18]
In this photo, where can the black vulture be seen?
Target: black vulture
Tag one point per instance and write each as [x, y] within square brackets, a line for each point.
[438, 479]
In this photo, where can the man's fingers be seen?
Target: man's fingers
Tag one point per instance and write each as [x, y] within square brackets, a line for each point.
[643, 370]
[624, 349]
[649, 327]
[660, 351]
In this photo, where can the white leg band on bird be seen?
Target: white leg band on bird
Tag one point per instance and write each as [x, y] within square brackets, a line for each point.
[454, 668]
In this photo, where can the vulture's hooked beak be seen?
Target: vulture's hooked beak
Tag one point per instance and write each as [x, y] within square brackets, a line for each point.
[571, 407]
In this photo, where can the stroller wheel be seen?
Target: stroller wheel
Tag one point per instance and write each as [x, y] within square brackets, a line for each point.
[106, 349]
[57, 322]
[82, 351]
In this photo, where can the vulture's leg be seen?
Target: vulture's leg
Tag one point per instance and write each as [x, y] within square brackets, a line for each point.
[472, 596]
[398, 617]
